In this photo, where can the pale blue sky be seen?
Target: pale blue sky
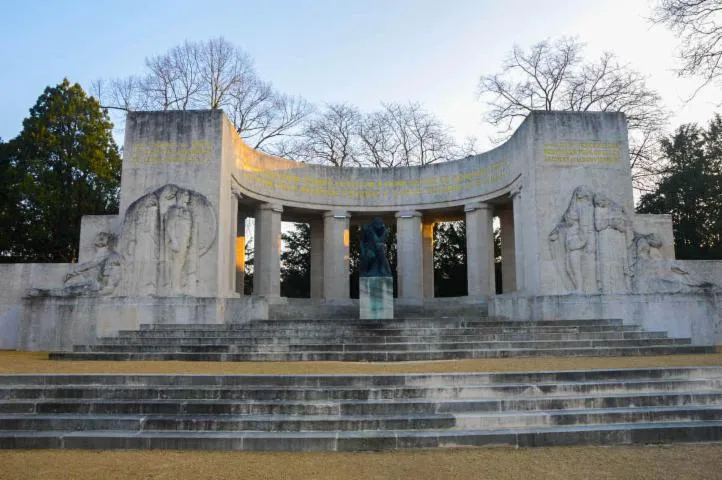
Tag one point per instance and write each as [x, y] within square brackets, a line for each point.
[362, 52]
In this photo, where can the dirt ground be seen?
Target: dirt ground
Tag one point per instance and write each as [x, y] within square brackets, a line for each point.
[629, 462]
[37, 362]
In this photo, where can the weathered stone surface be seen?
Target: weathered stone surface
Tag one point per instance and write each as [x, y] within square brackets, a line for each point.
[15, 280]
[361, 412]
[682, 315]
[58, 323]
[376, 298]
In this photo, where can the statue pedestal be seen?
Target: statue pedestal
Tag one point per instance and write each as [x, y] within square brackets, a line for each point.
[376, 298]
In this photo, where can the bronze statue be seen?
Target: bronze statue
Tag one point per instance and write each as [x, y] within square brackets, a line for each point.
[373, 261]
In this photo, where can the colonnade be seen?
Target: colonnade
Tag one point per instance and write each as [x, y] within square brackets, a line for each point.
[330, 240]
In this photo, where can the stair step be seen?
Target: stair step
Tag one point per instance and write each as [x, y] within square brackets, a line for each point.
[410, 331]
[510, 337]
[387, 356]
[361, 412]
[366, 380]
[336, 393]
[218, 406]
[396, 323]
[356, 347]
[613, 434]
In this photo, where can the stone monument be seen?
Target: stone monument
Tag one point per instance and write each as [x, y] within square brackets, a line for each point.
[560, 186]
[376, 285]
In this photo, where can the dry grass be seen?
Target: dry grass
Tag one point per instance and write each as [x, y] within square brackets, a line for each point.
[37, 362]
[638, 462]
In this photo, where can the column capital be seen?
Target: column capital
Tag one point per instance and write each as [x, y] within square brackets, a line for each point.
[340, 214]
[407, 214]
[470, 207]
[515, 191]
[273, 207]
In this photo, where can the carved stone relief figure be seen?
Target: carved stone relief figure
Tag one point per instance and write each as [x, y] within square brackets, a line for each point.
[614, 233]
[652, 273]
[575, 236]
[99, 276]
[179, 271]
[625, 261]
[164, 235]
[140, 247]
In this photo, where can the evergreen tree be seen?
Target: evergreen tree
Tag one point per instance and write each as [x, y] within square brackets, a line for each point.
[450, 259]
[691, 190]
[296, 262]
[9, 202]
[64, 164]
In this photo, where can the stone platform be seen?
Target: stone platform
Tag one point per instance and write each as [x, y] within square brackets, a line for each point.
[361, 412]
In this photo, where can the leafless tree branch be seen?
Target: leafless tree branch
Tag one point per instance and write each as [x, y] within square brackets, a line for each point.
[552, 75]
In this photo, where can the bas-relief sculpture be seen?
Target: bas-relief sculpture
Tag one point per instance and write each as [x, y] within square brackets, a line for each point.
[163, 237]
[372, 259]
[652, 273]
[575, 235]
[596, 250]
[99, 276]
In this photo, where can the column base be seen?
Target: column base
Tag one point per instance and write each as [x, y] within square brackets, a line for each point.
[376, 298]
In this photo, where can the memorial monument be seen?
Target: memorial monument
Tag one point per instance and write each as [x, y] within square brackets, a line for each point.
[572, 246]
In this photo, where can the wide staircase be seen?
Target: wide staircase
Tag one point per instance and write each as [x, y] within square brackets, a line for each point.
[361, 412]
[445, 333]
[369, 411]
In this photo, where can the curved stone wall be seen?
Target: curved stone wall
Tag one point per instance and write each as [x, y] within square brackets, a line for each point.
[287, 182]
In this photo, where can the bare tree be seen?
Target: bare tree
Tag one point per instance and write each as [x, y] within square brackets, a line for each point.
[396, 135]
[223, 67]
[215, 74]
[552, 75]
[403, 135]
[122, 94]
[529, 81]
[377, 144]
[277, 117]
[174, 79]
[699, 26]
[331, 137]
[422, 139]
[212, 74]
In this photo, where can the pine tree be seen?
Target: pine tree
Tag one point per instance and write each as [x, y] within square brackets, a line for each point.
[64, 164]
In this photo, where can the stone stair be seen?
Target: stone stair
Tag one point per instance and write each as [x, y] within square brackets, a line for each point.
[361, 412]
[405, 339]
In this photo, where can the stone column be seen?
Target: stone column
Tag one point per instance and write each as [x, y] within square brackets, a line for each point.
[409, 256]
[515, 195]
[267, 251]
[336, 255]
[232, 253]
[240, 253]
[427, 246]
[317, 257]
[508, 262]
[479, 249]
